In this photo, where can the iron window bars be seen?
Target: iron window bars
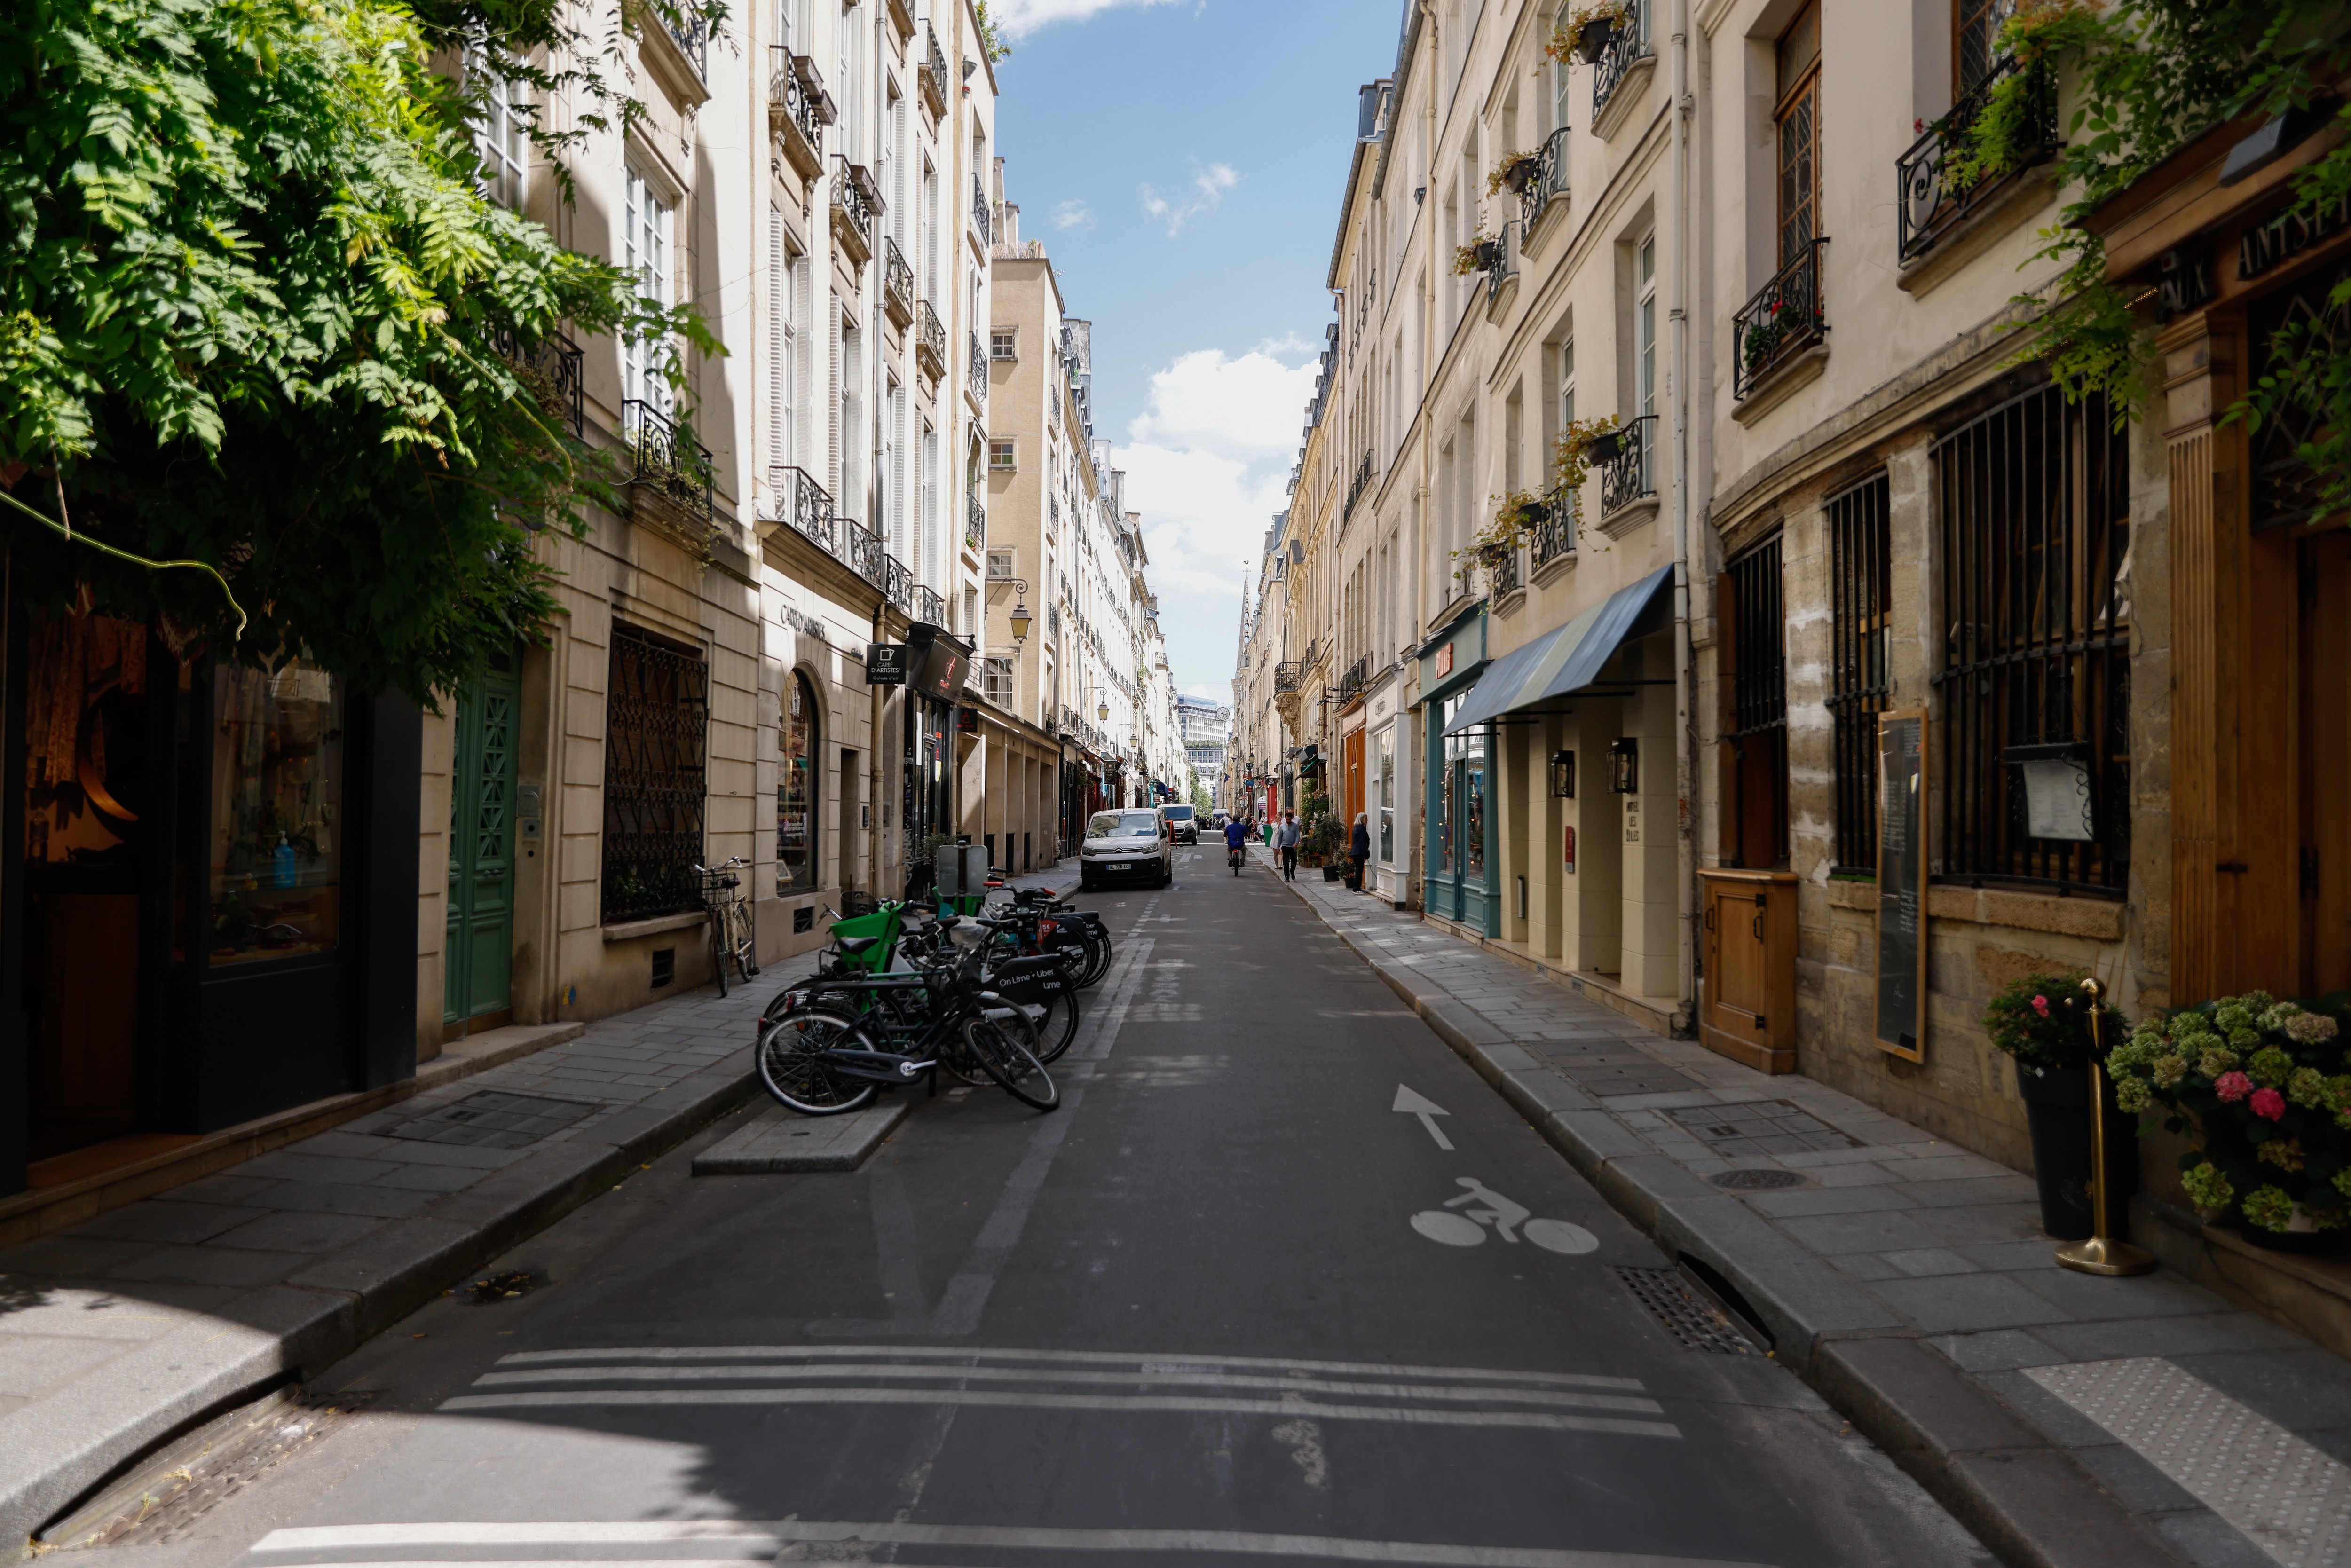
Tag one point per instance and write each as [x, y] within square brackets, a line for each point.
[1503, 575]
[1860, 588]
[1932, 199]
[934, 68]
[854, 198]
[1786, 317]
[554, 370]
[667, 459]
[1555, 535]
[1550, 181]
[897, 276]
[1758, 733]
[931, 339]
[980, 217]
[978, 371]
[1625, 477]
[657, 716]
[1506, 261]
[2035, 501]
[975, 519]
[1627, 49]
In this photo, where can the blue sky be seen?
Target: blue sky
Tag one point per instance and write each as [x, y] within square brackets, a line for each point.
[1183, 161]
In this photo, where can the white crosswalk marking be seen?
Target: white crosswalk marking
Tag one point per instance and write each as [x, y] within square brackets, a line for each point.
[1048, 1380]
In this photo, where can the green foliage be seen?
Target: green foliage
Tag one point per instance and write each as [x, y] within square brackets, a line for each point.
[251, 298]
[2044, 1020]
[990, 39]
[2146, 77]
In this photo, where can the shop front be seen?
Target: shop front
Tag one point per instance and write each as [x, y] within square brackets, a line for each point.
[211, 916]
[1461, 869]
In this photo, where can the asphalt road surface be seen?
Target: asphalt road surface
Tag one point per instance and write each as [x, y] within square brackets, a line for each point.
[1228, 1305]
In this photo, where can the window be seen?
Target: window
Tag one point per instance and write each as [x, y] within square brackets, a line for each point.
[1797, 121]
[1000, 564]
[278, 783]
[1566, 383]
[1755, 826]
[799, 739]
[657, 713]
[1559, 119]
[1387, 797]
[999, 455]
[1003, 345]
[1860, 582]
[1977, 23]
[646, 220]
[1644, 355]
[995, 681]
[784, 288]
[2036, 508]
[502, 133]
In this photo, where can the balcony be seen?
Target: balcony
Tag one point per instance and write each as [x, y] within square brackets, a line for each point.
[981, 219]
[1937, 195]
[897, 583]
[1505, 270]
[897, 284]
[1502, 577]
[669, 479]
[1626, 53]
[861, 546]
[1554, 537]
[1358, 677]
[930, 341]
[933, 73]
[801, 502]
[1365, 475]
[555, 373]
[855, 204]
[1286, 677]
[1784, 319]
[978, 371]
[975, 521]
[1548, 184]
[690, 30]
[901, 18]
[929, 608]
[797, 112]
[1627, 475]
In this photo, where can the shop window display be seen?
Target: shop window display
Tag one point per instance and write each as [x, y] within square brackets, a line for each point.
[277, 795]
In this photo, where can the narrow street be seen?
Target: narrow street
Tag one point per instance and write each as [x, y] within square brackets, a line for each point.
[1189, 1319]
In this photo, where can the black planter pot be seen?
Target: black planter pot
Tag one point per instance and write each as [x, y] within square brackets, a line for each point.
[1594, 41]
[2057, 1112]
[2290, 1240]
[1331, 873]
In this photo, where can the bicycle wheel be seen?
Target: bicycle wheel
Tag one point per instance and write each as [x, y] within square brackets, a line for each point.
[793, 1068]
[1060, 1024]
[747, 957]
[1097, 956]
[999, 1045]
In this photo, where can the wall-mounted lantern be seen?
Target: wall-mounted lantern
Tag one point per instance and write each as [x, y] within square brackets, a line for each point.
[1624, 767]
[1562, 775]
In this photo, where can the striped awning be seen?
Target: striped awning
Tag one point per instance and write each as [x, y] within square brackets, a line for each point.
[1564, 660]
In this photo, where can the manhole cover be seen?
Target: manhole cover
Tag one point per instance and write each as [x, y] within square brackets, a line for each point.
[1678, 1310]
[1758, 1180]
[1759, 1127]
[490, 1120]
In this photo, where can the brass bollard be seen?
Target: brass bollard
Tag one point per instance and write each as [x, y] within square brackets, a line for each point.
[2101, 1254]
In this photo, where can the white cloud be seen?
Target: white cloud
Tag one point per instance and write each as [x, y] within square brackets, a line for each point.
[1209, 186]
[1207, 464]
[1071, 213]
[1019, 18]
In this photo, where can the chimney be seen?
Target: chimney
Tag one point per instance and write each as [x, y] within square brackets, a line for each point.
[1012, 226]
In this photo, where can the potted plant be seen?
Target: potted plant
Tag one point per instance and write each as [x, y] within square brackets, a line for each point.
[2043, 1022]
[1480, 255]
[2262, 1089]
[1584, 442]
[1585, 33]
[1515, 172]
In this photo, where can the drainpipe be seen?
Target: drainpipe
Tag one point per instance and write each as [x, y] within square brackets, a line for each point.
[873, 778]
[1685, 656]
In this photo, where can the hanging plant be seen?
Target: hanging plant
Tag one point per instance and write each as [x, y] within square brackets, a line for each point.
[1480, 255]
[2009, 127]
[1583, 34]
[1515, 172]
[1584, 443]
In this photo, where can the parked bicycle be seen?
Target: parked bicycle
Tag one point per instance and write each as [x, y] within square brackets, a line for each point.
[731, 936]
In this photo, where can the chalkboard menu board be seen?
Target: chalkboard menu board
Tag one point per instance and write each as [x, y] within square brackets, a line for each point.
[1902, 883]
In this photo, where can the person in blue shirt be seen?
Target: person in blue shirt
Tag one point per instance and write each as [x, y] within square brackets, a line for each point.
[1234, 835]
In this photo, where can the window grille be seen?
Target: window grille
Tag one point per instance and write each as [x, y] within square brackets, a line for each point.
[996, 682]
[1758, 732]
[657, 715]
[1860, 580]
[2035, 502]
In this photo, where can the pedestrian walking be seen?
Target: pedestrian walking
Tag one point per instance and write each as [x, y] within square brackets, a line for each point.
[1286, 841]
[1359, 850]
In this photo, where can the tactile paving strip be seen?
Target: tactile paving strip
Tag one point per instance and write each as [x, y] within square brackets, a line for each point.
[2290, 1498]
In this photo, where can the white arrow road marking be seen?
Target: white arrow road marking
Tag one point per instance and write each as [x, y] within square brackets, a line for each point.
[1428, 1110]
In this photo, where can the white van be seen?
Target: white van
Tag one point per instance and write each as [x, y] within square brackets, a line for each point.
[1182, 823]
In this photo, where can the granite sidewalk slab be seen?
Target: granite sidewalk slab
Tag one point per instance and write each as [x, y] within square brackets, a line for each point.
[1909, 1281]
[117, 1333]
[778, 1140]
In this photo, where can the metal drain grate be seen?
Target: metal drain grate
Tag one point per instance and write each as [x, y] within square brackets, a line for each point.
[1751, 1180]
[490, 1120]
[1680, 1311]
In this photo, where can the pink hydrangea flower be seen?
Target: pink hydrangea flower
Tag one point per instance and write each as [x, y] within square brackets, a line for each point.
[2268, 1104]
[2040, 1006]
[2231, 1087]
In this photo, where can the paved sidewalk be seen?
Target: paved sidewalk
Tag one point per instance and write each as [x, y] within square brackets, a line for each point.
[2065, 1419]
[121, 1332]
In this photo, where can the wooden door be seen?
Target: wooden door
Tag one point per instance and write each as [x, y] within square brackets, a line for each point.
[2324, 752]
[478, 988]
[1352, 752]
[1750, 1007]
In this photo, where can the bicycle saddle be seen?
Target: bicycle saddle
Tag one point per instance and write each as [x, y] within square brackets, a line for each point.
[854, 946]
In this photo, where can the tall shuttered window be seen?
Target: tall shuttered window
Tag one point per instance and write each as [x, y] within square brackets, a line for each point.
[656, 724]
[1797, 127]
[1860, 580]
[1756, 738]
[2035, 505]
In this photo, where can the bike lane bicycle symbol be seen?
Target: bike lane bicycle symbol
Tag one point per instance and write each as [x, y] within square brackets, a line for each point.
[1509, 1219]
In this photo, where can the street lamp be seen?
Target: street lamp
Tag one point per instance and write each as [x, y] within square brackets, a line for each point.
[1021, 620]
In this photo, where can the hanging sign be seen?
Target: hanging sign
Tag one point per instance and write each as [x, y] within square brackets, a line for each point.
[885, 663]
[1902, 883]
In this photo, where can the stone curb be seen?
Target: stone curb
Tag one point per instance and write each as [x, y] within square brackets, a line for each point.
[2024, 1496]
[294, 1329]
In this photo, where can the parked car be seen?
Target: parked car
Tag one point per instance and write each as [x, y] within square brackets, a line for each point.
[1123, 846]
[1183, 823]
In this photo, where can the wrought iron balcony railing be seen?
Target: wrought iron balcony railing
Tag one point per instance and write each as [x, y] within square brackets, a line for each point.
[897, 281]
[853, 201]
[897, 583]
[1286, 677]
[1506, 261]
[803, 503]
[1549, 181]
[934, 71]
[1625, 50]
[1630, 474]
[861, 546]
[981, 218]
[978, 369]
[795, 113]
[930, 339]
[975, 519]
[690, 30]
[1358, 677]
[1554, 535]
[1786, 317]
[1937, 190]
[1502, 577]
[555, 371]
[667, 460]
[929, 607]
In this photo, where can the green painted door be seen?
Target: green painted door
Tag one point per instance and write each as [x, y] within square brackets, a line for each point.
[480, 949]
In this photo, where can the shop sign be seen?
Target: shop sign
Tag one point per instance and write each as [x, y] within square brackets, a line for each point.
[1444, 661]
[1570, 847]
[2288, 234]
[885, 663]
[2183, 283]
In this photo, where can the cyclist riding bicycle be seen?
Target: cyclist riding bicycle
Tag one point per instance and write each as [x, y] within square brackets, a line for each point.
[1234, 835]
